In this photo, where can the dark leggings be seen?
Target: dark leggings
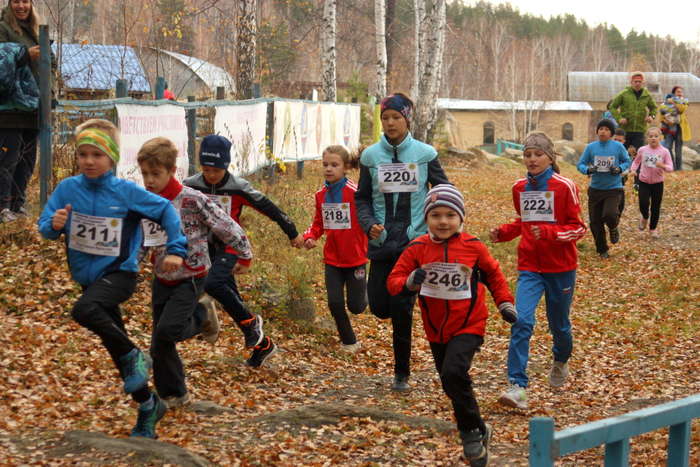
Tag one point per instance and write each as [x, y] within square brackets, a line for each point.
[655, 192]
[353, 282]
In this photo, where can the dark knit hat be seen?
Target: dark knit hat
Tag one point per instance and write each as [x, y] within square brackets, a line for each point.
[444, 195]
[606, 123]
[215, 151]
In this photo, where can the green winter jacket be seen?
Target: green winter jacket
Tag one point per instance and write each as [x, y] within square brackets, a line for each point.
[626, 105]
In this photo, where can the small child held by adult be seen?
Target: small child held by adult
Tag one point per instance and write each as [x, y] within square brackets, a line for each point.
[674, 124]
[452, 270]
[233, 193]
[345, 250]
[99, 215]
[652, 160]
[177, 313]
[549, 225]
[605, 160]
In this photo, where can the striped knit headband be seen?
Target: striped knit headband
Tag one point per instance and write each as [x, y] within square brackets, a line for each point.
[100, 140]
[444, 195]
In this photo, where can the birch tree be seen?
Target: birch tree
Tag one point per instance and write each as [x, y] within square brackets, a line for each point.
[380, 42]
[328, 62]
[246, 49]
[430, 43]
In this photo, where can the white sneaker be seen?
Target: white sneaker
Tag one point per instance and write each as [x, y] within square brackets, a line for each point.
[210, 326]
[642, 224]
[654, 233]
[351, 348]
[515, 397]
[558, 374]
[7, 216]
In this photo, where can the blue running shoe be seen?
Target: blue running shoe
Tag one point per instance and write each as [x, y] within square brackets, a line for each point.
[135, 368]
[148, 417]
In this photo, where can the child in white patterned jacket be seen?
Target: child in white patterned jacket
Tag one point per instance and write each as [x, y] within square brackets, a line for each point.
[177, 313]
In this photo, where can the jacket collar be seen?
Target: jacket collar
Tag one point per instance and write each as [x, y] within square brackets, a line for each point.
[334, 191]
[539, 181]
[399, 147]
[172, 189]
[99, 181]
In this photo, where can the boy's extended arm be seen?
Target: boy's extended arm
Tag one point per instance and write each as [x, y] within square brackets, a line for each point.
[363, 200]
[407, 262]
[436, 174]
[507, 232]
[265, 206]
[584, 161]
[625, 160]
[161, 211]
[45, 222]
[226, 229]
[614, 107]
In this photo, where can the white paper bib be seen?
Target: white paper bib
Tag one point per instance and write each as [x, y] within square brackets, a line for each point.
[603, 163]
[650, 160]
[153, 233]
[448, 281]
[537, 206]
[336, 216]
[95, 235]
[398, 178]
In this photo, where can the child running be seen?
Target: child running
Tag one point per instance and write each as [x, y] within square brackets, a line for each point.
[452, 271]
[549, 225]
[605, 160]
[177, 313]
[99, 214]
[345, 251]
[232, 193]
[652, 159]
[394, 178]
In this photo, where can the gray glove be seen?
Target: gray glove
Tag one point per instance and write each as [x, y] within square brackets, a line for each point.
[415, 279]
[508, 312]
[615, 170]
[591, 170]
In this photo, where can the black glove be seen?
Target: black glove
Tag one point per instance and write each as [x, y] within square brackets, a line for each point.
[415, 279]
[591, 170]
[508, 312]
[615, 170]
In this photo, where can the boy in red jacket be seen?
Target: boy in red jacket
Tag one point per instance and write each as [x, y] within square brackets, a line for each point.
[549, 224]
[452, 271]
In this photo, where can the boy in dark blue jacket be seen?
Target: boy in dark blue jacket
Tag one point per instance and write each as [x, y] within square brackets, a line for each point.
[100, 216]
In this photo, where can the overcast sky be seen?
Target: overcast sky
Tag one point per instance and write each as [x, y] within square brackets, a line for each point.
[678, 18]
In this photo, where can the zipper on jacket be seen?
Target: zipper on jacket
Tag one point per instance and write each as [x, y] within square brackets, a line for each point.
[447, 302]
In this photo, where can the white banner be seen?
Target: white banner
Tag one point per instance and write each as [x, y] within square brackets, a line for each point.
[138, 124]
[303, 129]
[244, 125]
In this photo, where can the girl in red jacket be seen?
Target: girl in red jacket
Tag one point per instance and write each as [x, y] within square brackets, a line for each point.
[345, 251]
[549, 224]
[452, 271]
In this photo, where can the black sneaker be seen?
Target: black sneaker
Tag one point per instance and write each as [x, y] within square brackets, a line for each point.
[261, 353]
[148, 418]
[475, 446]
[400, 383]
[614, 235]
[252, 331]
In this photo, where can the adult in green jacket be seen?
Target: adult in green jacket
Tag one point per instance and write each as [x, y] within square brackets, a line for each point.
[19, 24]
[634, 109]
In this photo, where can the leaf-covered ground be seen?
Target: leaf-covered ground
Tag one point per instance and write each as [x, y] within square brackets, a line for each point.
[636, 344]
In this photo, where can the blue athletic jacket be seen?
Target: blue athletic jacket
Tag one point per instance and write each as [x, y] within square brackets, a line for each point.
[109, 196]
[604, 180]
[401, 214]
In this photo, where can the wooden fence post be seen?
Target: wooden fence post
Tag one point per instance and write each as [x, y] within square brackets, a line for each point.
[191, 116]
[45, 161]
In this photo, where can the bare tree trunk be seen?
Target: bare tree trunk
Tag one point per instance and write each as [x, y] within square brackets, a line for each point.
[429, 66]
[418, 58]
[247, 33]
[390, 45]
[380, 43]
[328, 51]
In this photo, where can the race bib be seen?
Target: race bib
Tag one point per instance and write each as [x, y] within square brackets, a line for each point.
[448, 281]
[537, 206]
[398, 178]
[153, 233]
[650, 160]
[603, 163]
[336, 216]
[223, 201]
[95, 235]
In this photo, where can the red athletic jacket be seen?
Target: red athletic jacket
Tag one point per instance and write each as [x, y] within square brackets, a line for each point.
[444, 319]
[344, 248]
[555, 251]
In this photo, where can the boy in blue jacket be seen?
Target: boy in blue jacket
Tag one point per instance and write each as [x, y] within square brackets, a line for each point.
[604, 160]
[100, 216]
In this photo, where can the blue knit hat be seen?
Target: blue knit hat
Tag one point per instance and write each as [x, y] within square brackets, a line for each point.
[215, 151]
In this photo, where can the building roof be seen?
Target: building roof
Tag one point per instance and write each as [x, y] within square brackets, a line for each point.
[94, 66]
[212, 75]
[463, 104]
[598, 86]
